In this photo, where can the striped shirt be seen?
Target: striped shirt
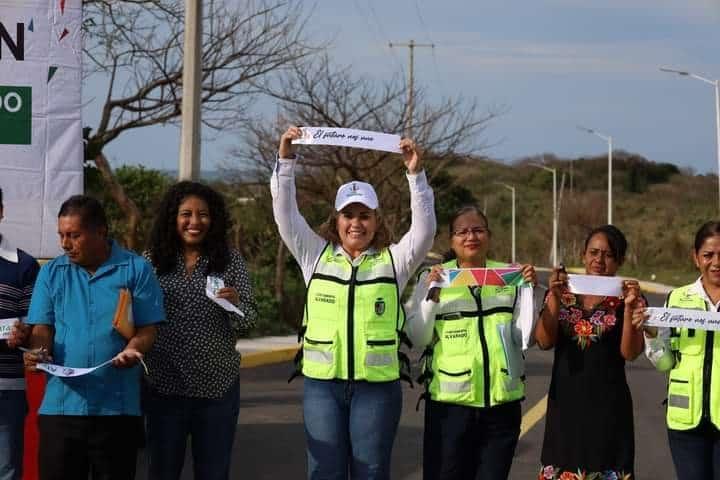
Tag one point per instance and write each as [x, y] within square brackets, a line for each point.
[17, 277]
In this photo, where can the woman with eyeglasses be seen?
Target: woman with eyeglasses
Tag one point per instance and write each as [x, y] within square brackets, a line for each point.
[473, 369]
[589, 421]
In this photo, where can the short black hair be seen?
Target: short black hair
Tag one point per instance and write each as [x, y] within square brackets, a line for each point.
[709, 229]
[616, 240]
[90, 210]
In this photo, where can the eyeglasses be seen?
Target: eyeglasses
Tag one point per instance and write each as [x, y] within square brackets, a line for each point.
[465, 232]
[597, 253]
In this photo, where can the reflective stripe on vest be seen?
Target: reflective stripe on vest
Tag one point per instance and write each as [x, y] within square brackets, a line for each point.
[475, 360]
[694, 381]
[353, 315]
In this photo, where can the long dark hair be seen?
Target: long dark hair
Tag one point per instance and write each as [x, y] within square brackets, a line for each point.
[616, 240]
[450, 254]
[165, 245]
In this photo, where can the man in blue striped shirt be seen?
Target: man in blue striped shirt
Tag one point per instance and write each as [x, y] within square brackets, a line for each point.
[17, 277]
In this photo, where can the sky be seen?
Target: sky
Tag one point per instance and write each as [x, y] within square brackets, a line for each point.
[552, 64]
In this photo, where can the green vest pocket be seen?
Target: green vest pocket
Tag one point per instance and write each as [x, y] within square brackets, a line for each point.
[319, 358]
[453, 381]
[381, 360]
[680, 393]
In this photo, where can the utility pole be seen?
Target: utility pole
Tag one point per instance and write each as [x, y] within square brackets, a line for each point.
[411, 95]
[192, 86]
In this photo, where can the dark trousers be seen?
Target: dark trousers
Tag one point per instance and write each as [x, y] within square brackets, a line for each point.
[210, 424]
[71, 447]
[464, 443]
[696, 452]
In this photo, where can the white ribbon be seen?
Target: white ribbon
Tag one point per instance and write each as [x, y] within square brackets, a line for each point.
[61, 371]
[683, 318]
[595, 285]
[6, 325]
[349, 137]
[211, 289]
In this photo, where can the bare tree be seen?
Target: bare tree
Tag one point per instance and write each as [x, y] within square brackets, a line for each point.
[317, 94]
[137, 46]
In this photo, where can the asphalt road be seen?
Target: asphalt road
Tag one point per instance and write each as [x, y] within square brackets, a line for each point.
[270, 441]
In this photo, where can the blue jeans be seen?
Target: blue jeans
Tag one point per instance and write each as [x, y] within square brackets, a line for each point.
[210, 423]
[696, 452]
[463, 443]
[13, 408]
[350, 428]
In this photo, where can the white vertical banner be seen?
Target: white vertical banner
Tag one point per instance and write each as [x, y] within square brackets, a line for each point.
[41, 148]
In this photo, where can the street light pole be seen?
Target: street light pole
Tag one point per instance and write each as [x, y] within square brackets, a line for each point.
[716, 84]
[512, 190]
[555, 211]
[608, 139]
[191, 86]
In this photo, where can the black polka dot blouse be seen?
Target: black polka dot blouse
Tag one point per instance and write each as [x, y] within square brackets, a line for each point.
[194, 354]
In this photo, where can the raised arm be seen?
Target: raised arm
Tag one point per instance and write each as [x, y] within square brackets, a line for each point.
[410, 251]
[421, 310]
[304, 244]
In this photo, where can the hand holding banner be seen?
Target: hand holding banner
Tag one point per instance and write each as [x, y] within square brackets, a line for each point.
[348, 137]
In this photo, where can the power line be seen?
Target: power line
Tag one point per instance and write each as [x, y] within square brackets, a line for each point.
[427, 34]
[377, 30]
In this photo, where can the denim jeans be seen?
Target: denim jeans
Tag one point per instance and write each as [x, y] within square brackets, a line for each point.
[464, 443]
[350, 428]
[696, 452]
[13, 408]
[210, 423]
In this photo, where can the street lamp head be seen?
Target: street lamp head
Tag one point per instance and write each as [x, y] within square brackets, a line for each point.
[585, 129]
[544, 167]
[673, 70]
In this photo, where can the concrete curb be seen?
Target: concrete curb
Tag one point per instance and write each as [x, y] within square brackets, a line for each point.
[268, 357]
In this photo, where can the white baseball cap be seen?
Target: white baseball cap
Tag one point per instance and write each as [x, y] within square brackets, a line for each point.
[356, 192]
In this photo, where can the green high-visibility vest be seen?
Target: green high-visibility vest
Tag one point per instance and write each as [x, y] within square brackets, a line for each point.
[353, 317]
[694, 381]
[475, 359]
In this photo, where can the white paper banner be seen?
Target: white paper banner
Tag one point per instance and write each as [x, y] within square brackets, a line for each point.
[595, 285]
[211, 289]
[683, 318]
[61, 371]
[348, 137]
[6, 325]
[41, 147]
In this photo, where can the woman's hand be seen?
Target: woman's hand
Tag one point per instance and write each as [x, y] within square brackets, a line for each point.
[412, 155]
[635, 303]
[557, 281]
[529, 275]
[230, 294]
[287, 149]
[435, 275]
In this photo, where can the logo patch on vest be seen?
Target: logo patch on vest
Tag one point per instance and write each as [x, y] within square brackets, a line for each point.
[379, 306]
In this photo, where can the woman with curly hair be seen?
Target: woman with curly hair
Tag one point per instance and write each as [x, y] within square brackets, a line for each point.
[193, 383]
[589, 422]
